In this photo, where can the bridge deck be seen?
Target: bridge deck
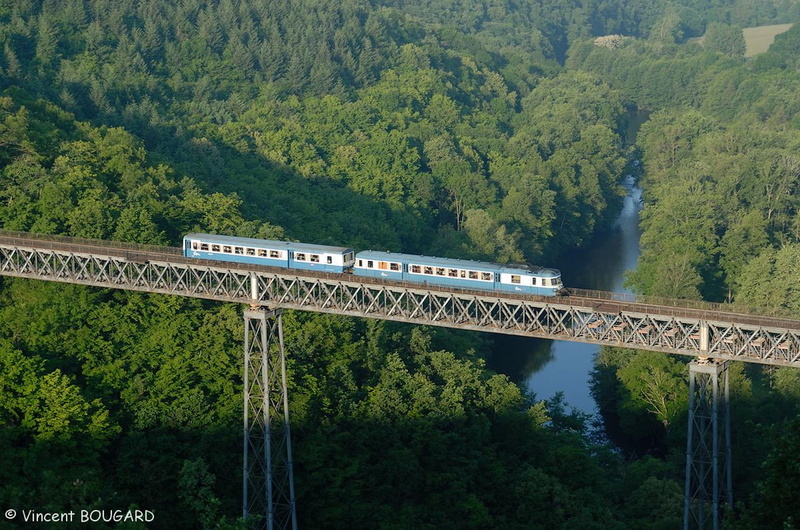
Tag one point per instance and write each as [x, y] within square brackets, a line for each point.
[671, 326]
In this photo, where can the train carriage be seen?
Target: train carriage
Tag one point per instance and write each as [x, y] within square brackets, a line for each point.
[268, 252]
[426, 269]
[387, 265]
[457, 273]
[453, 272]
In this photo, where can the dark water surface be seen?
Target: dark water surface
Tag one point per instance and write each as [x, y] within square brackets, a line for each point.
[546, 366]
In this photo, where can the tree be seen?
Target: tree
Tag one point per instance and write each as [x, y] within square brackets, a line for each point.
[770, 280]
[46, 42]
[728, 40]
[195, 491]
[491, 239]
[741, 243]
[774, 506]
[657, 384]
[668, 28]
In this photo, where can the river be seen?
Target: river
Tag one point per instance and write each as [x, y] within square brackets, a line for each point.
[545, 367]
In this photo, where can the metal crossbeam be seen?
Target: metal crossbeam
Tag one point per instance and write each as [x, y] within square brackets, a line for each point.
[268, 479]
[632, 325]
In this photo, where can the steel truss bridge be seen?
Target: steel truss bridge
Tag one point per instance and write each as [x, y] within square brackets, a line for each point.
[712, 333]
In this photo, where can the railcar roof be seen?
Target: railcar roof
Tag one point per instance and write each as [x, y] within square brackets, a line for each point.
[454, 263]
[428, 260]
[547, 272]
[268, 243]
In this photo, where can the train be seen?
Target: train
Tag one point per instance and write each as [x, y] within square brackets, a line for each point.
[392, 266]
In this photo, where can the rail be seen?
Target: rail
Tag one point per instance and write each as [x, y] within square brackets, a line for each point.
[703, 330]
[676, 307]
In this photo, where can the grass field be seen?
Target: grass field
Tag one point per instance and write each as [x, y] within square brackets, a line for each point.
[759, 39]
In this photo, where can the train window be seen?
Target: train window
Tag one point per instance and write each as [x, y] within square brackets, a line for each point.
[416, 269]
[300, 256]
[383, 265]
[251, 252]
[227, 249]
[473, 275]
[194, 245]
[515, 278]
[314, 258]
[262, 253]
[370, 264]
[462, 274]
[203, 246]
[394, 267]
[238, 250]
[330, 260]
[453, 273]
[214, 248]
[427, 270]
[487, 276]
[361, 263]
[274, 254]
[439, 271]
[534, 280]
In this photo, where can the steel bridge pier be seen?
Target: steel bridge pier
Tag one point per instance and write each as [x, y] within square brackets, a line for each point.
[708, 445]
[268, 479]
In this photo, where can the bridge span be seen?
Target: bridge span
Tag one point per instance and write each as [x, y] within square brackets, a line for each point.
[702, 330]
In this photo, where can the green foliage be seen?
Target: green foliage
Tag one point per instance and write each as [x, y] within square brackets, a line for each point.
[195, 490]
[425, 436]
[642, 395]
[720, 181]
[770, 279]
[772, 506]
[373, 116]
[374, 125]
[718, 194]
[656, 384]
[785, 48]
[728, 40]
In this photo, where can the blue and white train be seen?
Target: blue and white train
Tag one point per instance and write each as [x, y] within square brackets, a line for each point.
[285, 254]
[386, 265]
[458, 273]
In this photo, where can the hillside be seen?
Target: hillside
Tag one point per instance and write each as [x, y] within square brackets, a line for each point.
[468, 129]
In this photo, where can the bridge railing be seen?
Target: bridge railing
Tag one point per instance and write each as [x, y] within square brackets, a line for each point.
[696, 305]
[25, 237]
[678, 307]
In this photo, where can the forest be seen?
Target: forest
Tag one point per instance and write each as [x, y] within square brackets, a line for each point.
[476, 129]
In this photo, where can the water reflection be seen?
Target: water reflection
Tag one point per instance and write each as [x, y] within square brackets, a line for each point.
[546, 367]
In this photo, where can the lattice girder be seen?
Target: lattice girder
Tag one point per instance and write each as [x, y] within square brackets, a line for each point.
[568, 318]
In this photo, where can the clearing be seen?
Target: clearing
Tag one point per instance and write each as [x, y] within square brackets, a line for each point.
[760, 38]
